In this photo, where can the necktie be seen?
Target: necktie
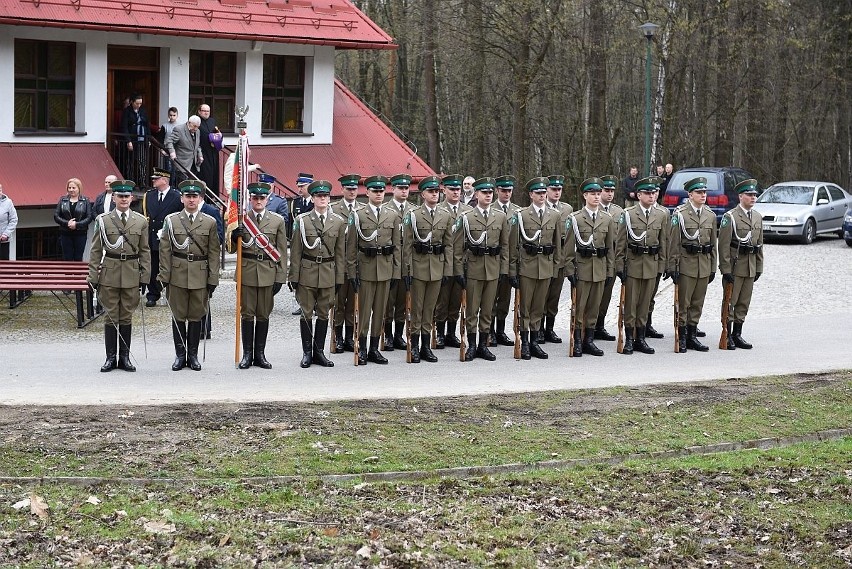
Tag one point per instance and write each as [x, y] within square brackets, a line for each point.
[160, 197]
[485, 214]
[748, 213]
[454, 211]
[322, 220]
[594, 216]
[432, 214]
[541, 215]
[647, 214]
[191, 219]
[351, 208]
[505, 209]
[124, 219]
[257, 218]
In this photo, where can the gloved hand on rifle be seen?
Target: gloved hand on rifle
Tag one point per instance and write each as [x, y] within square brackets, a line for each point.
[514, 282]
[608, 281]
[675, 276]
[293, 286]
[276, 288]
[211, 289]
[572, 279]
[621, 276]
[712, 277]
[355, 283]
[461, 280]
[445, 279]
[728, 278]
[407, 281]
[757, 276]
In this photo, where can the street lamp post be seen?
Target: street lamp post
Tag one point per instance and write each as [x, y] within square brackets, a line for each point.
[648, 30]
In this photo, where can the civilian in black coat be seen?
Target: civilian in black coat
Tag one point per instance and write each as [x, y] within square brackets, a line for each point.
[156, 210]
[209, 171]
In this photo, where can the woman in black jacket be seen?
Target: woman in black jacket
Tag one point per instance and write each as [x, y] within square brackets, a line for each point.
[73, 215]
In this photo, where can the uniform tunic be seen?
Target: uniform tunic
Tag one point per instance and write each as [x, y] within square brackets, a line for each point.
[189, 262]
[535, 257]
[741, 254]
[317, 261]
[258, 272]
[592, 261]
[693, 256]
[449, 299]
[120, 262]
[641, 246]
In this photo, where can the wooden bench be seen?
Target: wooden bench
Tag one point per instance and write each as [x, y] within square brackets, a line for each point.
[20, 278]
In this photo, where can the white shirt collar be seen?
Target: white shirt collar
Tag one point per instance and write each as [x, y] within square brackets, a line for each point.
[483, 211]
[590, 211]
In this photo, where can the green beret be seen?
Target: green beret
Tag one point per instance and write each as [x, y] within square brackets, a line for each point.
[349, 180]
[648, 184]
[321, 187]
[537, 184]
[557, 180]
[699, 183]
[747, 186]
[590, 185]
[122, 186]
[484, 184]
[401, 180]
[429, 183]
[376, 182]
[192, 187]
[609, 181]
[453, 180]
[505, 182]
[259, 188]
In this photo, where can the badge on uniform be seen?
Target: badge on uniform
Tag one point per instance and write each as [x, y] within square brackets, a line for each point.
[457, 224]
[568, 223]
[724, 221]
[352, 218]
[674, 220]
[514, 219]
[621, 219]
[407, 219]
[296, 224]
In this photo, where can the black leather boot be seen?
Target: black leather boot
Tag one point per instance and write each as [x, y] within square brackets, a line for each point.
[415, 348]
[539, 335]
[399, 336]
[628, 341]
[537, 352]
[261, 330]
[577, 352]
[492, 336]
[180, 340]
[699, 333]
[525, 345]
[730, 345]
[307, 341]
[451, 340]
[738, 338]
[193, 337]
[500, 333]
[320, 334]
[549, 334]
[482, 350]
[692, 342]
[339, 343]
[374, 355]
[601, 332]
[247, 333]
[349, 341]
[640, 345]
[649, 329]
[589, 346]
[362, 351]
[388, 338]
[110, 343]
[470, 352]
[124, 332]
[681, 339]
[426, 353]
[439, 335]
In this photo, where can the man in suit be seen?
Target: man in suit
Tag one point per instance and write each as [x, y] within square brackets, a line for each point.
[692, 260]
[741, 258]
[261, 276]
[119, 266]
[372, 264]
[276, 203]
[427, 260]
[395, 310]
[299, 205]
[482, 258]
[546, 333]
[449, 299]
[104, 203]
[317, 269]
[589, 261]
[157, 204]
[344, 308]
[505, 186]
[535, 253]
[641, 247]
[189, 268]
[183, 146]
[608, 185]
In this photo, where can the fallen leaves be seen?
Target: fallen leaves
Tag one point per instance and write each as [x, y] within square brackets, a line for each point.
[158, 527]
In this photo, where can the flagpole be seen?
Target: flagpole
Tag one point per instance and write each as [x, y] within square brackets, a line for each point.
[239, 180]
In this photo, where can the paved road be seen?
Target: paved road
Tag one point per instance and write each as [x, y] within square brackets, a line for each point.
[800, 322]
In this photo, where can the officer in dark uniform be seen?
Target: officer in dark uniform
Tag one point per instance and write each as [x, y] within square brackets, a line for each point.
[157, 204]
[120, 265]
[301, 204]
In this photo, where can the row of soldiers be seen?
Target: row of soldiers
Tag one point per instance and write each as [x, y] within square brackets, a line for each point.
[382, 268]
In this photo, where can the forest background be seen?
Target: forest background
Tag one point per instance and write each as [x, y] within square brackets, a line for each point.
[538, 87]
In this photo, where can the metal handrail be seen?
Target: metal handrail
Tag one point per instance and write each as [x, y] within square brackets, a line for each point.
[278, 187]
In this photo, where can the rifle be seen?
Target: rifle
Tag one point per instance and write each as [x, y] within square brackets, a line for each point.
[434, 336]
[462, 318]
[408, 326]
[573, 316]
[357, 329]
[517, 324]
[676, 318]
[728, 291]
[620, 347]
[333, 337]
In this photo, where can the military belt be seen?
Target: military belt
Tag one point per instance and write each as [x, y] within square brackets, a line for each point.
[481, 250]
[256, 256]
[534, 249]
[374, 251]
[587, 252]
[320, 259]
[644, 249]
[695, 249]
[426, 248]
[121, 256]
[747, 249]
[190, 256]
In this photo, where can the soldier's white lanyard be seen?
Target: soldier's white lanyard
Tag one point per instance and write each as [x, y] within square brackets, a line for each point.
[535, 236]
[318, 240]
[639, 238]
[483, 237]
[186, 243]
[744, 240]
[413, 220]
[374, 236]
[590, 242]
[693, 237]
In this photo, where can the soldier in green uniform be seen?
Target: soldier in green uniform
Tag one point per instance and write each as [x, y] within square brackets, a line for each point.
[554, 290]
[692, 260]
[317, 269]
[373, 259]
[535, 251]
[395, 310]
[449, 299]
[120, 265]
[608, 187]
[590, 262]
[641, 245]
[344, 308]
[505, 186]
[427, 260]
[261, 277]
[741, 258]
[650, 331]
[189, 267]
[482, 259]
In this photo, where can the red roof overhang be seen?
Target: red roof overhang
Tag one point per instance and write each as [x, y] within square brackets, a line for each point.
[361, 144]
[34, 175]
[335, 23]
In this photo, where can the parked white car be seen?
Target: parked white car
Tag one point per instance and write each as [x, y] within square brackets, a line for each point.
[803, 210]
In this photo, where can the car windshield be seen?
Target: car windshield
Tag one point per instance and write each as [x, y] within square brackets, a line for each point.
[801, 195]
[681, 178]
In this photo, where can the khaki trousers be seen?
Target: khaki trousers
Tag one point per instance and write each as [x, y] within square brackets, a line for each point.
[372, 298]
[691, 293]
[119, 303]
[424, 296]
[187, 304]
[256, 302]
[314, 300]
[588, 301]
[480, 305]
[637, 301]
[533, 299]
[741, 298]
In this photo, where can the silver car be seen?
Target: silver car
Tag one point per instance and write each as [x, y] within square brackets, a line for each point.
[802, 210]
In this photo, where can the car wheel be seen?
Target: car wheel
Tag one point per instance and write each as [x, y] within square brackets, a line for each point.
[849, 242]
[809, 232]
